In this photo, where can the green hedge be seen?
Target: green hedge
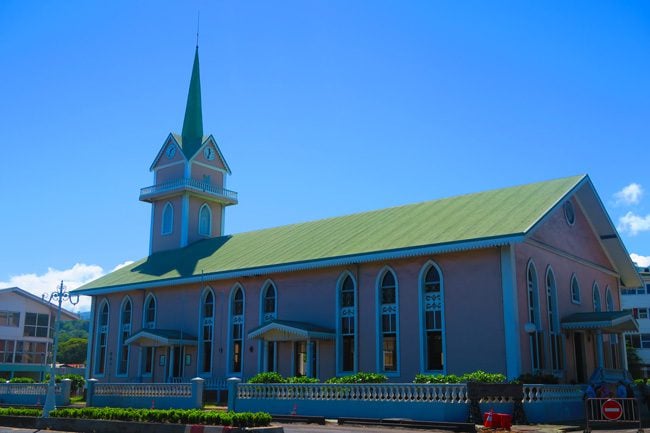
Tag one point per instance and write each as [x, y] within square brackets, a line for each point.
[478, 376]
[21, 380]
[173, 416]
[359, 378]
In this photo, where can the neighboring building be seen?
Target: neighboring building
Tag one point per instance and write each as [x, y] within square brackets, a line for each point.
[637, 301]
[517, 280]
[26, 336]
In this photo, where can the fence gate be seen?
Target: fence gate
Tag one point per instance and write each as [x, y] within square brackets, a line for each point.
[612, 411]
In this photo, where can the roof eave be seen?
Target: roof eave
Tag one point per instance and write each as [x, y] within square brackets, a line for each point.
[312, 264]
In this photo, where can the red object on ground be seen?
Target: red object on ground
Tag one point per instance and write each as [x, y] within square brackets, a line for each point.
[490, 419]
[611, 410]
[505, 420]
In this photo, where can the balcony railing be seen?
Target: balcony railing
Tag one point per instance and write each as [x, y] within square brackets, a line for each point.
[150, 192]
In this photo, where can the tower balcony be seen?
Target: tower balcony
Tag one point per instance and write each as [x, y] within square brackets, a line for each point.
[206, 190]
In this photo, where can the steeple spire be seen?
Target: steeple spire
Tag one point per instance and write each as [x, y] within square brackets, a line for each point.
[193, 122]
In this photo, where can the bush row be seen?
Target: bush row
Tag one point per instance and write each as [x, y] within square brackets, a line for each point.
[478, 376]
[172, 416]
[78, 381]
[273, 377]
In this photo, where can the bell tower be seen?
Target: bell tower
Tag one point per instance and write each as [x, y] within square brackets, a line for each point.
[188, 198]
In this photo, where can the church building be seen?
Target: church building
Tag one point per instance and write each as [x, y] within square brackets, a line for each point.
[525, 279]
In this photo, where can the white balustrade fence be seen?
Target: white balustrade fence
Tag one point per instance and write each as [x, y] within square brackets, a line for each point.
[442, 402]
[33, 394]
[146, 395]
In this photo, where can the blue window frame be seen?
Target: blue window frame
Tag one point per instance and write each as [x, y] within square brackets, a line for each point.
[346, 325]
[102, 338]
[236, 334]
[388, 322]
[432, 318]
[125, 333]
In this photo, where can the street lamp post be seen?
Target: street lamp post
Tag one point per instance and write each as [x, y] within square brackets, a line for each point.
[59, 296]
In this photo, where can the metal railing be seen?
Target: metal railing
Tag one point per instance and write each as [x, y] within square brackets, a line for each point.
[612, 411]
[190, 184]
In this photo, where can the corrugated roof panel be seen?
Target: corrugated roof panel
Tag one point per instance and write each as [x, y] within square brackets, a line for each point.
[490, 214]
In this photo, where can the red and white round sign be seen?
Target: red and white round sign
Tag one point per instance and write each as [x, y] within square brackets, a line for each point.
[612, 410]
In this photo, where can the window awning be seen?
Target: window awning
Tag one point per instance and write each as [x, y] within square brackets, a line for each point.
[284, 330]
[610, 322]
[161, 337]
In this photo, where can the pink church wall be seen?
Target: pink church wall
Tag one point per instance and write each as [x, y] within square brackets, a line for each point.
[578, 239]
[199, 171]
[162, 242]
[171, 173]
[216, 162]
[193, 223]
[558, 234]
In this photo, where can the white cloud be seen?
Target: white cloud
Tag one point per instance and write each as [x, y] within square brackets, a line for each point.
[633, 224]
[629, 195]
[640, 260]
[49, 282]
[121, 265]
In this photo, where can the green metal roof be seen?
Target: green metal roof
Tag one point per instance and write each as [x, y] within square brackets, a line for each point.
[467, 221]
[193, 121]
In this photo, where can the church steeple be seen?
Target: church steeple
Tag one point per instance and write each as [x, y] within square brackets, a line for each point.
[189, 197]
[193, 123]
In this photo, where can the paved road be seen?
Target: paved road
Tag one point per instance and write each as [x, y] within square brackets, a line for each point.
[334, 428]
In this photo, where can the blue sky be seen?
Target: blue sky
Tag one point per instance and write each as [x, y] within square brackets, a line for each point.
[321, 108]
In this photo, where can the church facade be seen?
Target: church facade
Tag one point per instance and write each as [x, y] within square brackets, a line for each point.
[525, 279]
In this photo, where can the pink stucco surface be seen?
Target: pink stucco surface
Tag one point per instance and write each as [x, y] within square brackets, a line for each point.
[567, 250]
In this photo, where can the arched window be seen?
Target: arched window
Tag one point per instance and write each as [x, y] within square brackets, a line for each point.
[268, 312]
[207, 330]
[432, 314]
[609, 300]
[269, 303]
[555, 336]
[613, 338]
[575, 290]
[596, 297]
[347, 341]
[237, 329]
[388, 322]
[205, 220]
[536, 338]
[167, 219]
[125, 333]
[149, 313]
[102, 338]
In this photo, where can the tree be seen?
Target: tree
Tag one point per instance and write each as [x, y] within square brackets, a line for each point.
[73, 351]
[73, 329]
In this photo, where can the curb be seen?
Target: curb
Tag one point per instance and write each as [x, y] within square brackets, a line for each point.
[105, 426]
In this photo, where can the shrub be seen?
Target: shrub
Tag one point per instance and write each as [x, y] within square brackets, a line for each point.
[18, 411]
[537, 378]
[482, 377]
[478, 376]
[267, 377]
[436, 378]
[359, 378]
[172, 416]
[21, 380]
[301, 379]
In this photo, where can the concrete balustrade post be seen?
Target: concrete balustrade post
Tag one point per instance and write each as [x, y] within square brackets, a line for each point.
[90, 391]
[197, 391]
[66, 386]
[233, 384]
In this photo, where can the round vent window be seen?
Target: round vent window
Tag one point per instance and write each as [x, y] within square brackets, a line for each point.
[569, 213]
